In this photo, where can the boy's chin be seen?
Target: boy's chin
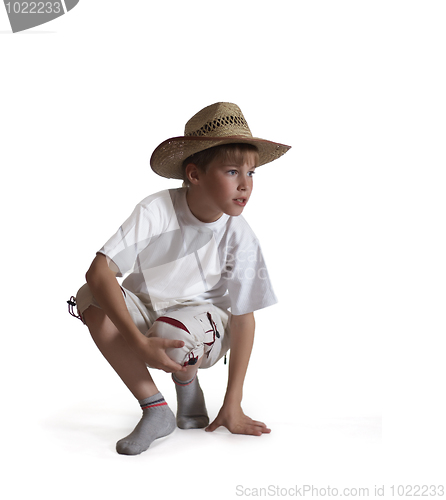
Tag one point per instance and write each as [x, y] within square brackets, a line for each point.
[234, 212]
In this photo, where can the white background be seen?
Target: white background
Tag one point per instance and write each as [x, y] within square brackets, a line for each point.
[351, 221]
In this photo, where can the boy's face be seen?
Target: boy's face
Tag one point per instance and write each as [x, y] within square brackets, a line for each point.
[225, 187]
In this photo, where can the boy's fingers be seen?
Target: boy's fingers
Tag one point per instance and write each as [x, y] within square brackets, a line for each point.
[173, 343]
[252, 430]
[258, 430]
[171, 366]
[211, 427]
[260, 424]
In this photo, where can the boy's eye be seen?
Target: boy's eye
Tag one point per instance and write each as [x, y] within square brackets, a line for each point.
[235, 172]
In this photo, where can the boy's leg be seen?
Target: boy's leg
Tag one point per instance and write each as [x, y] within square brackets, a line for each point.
[191, 411]
[119, 354]
[202, 330]
[157, 419]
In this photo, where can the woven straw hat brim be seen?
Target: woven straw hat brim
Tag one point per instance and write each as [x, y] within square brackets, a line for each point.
[168, 157]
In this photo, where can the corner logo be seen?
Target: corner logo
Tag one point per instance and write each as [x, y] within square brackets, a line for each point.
[25, 15]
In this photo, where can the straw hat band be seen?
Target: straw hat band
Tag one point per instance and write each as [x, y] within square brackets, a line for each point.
[224, 126]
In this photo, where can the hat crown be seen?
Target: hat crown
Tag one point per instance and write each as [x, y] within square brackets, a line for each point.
[222, 119]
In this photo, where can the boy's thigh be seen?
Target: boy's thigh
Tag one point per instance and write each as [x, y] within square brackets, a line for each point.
[203, 329]
[137, 310]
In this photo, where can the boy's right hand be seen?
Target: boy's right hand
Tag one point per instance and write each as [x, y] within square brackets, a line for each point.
[152, 350]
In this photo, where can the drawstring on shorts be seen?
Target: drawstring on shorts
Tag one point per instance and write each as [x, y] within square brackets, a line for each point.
[192, 360]
[216, 334]
[214, 331]
[71, 305]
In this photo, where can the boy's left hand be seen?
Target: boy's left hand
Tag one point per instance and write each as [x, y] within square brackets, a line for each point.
[233, 418]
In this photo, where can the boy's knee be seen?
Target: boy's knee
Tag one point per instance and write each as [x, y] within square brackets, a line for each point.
[171, 329]
[86, 303]
[93, 315]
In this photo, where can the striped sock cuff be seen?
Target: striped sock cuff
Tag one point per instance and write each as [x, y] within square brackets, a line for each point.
[153, 402]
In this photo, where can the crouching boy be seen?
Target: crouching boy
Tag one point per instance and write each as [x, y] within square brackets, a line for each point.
[195, 274]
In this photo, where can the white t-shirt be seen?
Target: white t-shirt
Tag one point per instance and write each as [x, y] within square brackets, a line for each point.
[171, 258]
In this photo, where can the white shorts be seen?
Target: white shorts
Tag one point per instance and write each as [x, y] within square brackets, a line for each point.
[204, 328]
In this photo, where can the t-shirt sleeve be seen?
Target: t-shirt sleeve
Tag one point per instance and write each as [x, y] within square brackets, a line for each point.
[249, 285]
[151, 217]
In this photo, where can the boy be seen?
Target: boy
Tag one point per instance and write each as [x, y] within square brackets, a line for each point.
[189, 257]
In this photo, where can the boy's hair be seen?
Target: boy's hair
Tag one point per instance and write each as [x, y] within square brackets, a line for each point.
[229, 152]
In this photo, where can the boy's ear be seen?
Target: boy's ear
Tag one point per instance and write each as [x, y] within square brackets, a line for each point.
[192, 173]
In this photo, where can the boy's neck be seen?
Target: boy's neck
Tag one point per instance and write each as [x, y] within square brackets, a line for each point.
[199, 208]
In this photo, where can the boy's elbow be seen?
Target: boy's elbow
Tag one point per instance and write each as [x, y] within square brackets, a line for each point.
[89, 275]
[97, 268]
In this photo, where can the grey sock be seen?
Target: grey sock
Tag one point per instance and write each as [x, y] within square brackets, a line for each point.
[157, 421]
[191, 412]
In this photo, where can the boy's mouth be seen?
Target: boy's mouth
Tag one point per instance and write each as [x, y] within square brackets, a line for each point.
[240, 201]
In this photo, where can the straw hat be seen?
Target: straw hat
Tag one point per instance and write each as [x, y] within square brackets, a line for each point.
[220, 123]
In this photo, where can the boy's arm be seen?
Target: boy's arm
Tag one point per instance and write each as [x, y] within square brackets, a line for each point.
[107, 292]
[231, 414]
